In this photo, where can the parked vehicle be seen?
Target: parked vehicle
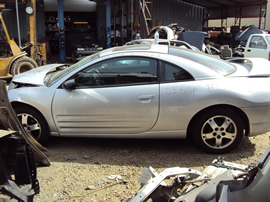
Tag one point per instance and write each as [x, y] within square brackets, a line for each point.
[220, 181]
[147, 91]
[258, 45]
[81, 45]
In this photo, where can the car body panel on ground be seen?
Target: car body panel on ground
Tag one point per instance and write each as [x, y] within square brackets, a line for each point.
[220, 181]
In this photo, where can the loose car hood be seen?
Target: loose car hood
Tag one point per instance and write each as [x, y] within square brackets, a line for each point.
[35, 76]
[251, 67]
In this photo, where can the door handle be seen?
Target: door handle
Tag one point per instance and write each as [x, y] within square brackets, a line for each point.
[146, 97]
[248, 50]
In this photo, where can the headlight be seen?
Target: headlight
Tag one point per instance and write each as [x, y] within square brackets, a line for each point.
[80, 49]
[99, 48]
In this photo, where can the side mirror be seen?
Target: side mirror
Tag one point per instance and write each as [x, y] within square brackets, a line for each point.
[69, 84]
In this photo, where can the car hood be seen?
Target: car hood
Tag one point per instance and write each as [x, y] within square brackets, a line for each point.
[35, 76]
[251, 67]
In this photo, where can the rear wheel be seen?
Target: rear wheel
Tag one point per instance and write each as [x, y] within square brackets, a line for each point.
[23, 64]
[34, 123]
[218, 130]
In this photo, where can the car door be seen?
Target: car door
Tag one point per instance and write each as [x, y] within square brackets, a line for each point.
[177, 96]
[116, 96]
[257, 47]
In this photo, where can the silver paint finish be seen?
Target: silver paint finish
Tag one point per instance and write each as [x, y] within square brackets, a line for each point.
[131, 109]
[161, 110]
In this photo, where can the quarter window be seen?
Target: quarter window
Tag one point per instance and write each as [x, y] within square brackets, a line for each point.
[171, 73]
[119, 71]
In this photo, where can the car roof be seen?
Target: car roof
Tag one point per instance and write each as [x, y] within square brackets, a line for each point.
[140, 47]
[159, 40]
[173, 52]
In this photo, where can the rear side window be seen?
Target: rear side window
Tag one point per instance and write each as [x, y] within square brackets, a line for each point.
[173, 73]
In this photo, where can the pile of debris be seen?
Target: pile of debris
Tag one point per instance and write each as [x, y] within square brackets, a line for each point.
[222, 44]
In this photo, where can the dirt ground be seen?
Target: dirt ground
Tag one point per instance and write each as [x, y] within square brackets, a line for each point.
[84, 169]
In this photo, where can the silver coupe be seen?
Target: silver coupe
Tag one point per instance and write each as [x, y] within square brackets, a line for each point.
[147, 91]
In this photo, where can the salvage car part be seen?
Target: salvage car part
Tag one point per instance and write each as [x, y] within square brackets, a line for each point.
[19, 154]
[221, 181]
[18, 174]
[9, 121]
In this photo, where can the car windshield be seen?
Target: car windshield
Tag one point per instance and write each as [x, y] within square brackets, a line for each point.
[220, 66]
[59, 74]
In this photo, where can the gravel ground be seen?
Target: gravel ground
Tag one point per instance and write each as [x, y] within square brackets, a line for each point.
[108, 169]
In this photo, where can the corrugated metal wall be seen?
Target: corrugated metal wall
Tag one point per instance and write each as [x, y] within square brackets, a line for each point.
[175, 11]
[234, 11]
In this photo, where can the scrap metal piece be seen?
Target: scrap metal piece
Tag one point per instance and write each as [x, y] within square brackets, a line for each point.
[155, 182]
[9, 121]
[221, 181]
[18, 155]
[18, 174]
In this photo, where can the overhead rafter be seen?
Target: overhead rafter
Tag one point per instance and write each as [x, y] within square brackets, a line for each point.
[220, 3]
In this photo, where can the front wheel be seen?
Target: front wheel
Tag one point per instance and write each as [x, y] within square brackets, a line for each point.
[34, 123]
[218, 130]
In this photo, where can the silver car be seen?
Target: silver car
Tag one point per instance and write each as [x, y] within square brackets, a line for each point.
[147, 91]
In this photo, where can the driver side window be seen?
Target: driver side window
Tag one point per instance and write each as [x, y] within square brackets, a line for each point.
[119, 71]
[257, 42]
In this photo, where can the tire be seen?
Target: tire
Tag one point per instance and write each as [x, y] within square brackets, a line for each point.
[218, 130]
[34, 123]
[23, 64]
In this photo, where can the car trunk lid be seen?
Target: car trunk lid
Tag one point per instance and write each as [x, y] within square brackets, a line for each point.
[251, 67]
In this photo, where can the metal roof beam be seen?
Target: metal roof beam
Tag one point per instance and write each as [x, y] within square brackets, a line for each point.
[218, 4]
